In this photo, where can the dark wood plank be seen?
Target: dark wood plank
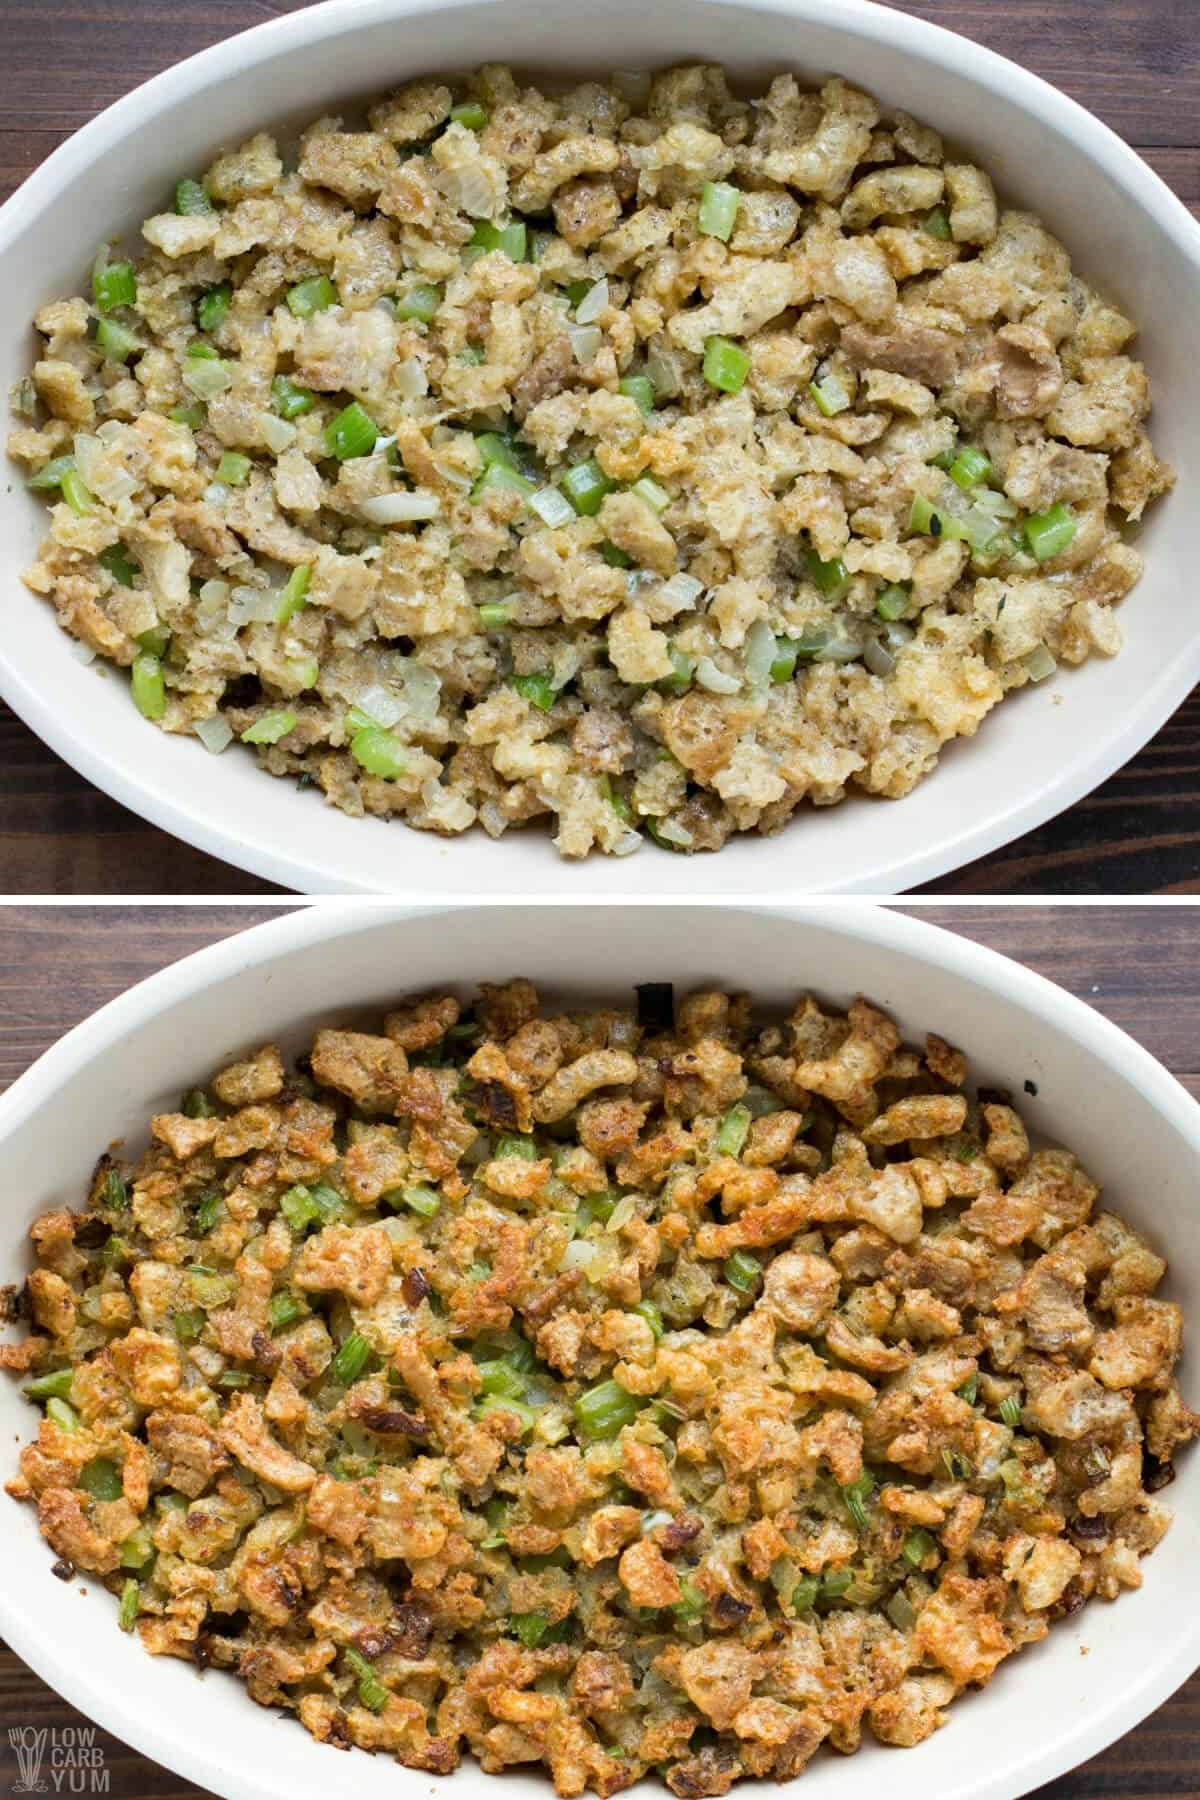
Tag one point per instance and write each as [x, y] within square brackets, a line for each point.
[1140, 966]
[1134, 62]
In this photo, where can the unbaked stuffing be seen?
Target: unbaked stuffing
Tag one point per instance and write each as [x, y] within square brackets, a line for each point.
[640, 459]
[623, 1390]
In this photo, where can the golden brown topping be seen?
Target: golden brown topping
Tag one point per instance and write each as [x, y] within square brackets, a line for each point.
[738, 1353]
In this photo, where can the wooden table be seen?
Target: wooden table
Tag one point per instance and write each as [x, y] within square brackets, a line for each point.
[1135, 62]
[1137, 965]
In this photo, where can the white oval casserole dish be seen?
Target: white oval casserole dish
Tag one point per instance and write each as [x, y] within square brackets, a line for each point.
[1134, 1127]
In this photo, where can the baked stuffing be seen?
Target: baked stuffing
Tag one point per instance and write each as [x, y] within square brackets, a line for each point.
[615, 1390]
[639, 459]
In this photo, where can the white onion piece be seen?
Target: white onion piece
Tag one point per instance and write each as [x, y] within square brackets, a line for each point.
[629, 841]
[840, 648]
[551, 506]
[896, 634]
[878, 660]
[451, 472]
[579, 1254]
[101, 470]
[401, 508]
[204, 377]
[681, 591]
[675, 834]
[652, 1520]
[715, 680]
[1039, 663]
[215, 733]
[422, 691]
[473, 190]
[991, 500]
[212, 604]
[253, 606]
[621, 1213]
[593, 302]
[585, 341]
[277, 434]
[383, 706]
[409, 378]
[215, 494]
[760, 652]
[83, 653]
[400, 1231]
[662, 366]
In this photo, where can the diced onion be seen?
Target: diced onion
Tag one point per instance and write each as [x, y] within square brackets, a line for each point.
[715, 680]
[978, 526]
[994, 502]
[205, 377]
[400, 1231]
[451, 472]
[629, 841]
[215, 494]
[277, 434]
[840, 648]
[214, 733]
[621, 1213]
[212, 604]
[593, 302]
[400, 508]
[422, 691]
[675, 834]
[552, 506]
[1039, 663]
[579, 1254]
[410, 379]
[383, 706]
[83, 653]
[681, 591]
[253, 606]
[896, 634]
[879, 660]
[474, 193]
[652, 1520]
[101, 470]
[662, 366]
[760, 653]
[585, 341]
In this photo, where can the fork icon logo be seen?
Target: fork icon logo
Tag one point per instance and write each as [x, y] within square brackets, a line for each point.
[29, 1743]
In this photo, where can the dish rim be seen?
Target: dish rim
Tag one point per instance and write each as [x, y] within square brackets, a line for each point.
[966, 963]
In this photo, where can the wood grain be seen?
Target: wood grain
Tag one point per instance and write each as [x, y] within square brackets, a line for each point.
[1140, 966]
[1134, 62]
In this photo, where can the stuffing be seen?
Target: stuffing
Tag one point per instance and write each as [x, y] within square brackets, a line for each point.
[470, 480]
[491, 1355]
